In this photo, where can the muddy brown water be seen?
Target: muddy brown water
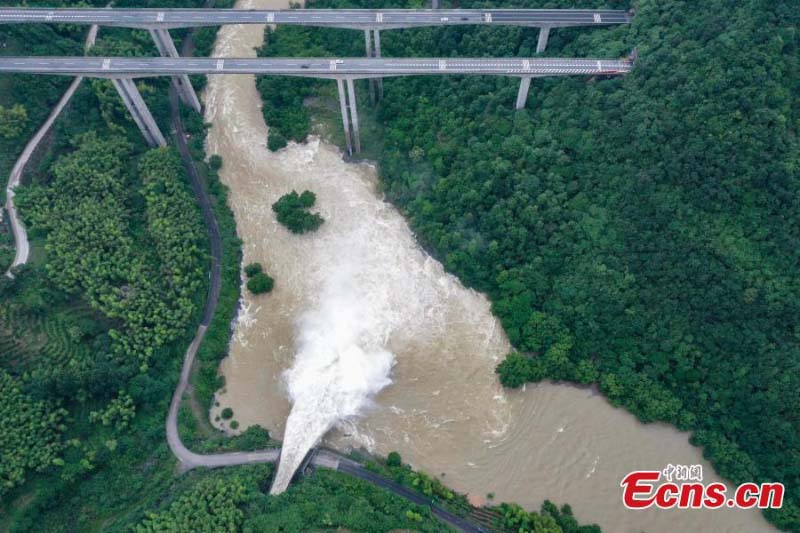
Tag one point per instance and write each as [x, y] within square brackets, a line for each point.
[444, 410]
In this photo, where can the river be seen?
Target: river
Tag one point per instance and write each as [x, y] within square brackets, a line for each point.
[416, 349]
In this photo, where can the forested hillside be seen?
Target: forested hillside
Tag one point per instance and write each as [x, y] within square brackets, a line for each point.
[639, 233]
[93, 329]
[25, 101]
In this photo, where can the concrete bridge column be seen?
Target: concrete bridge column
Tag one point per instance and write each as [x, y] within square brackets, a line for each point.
[544, 35]
[126, 88]
[166, 47]
[522, 96]
[368, 41]
[351, 96]
[435, 4]
[345, 119]
[378, 55]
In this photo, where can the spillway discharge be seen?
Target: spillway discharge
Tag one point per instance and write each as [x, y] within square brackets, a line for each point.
[340, 365]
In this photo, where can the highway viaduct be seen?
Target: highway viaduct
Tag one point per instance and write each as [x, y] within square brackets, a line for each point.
[122, 71]
[159, 21]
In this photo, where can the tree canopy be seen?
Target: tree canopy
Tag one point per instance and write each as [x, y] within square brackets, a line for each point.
[640, 233]
[293, 212]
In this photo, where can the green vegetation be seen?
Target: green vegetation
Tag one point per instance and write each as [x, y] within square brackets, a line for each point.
[84, 327]
[235, 500]
[92, 332]
[7, 250]
[508, 517]
[550, 519]
[636, 233]
[252, 269]
[209, 507]
[85, 214]
[329, 501]
[393, 460]
[259, 282]
[215, 343]
[292, 210]
[12, 121]
[284, 112]
[29, 433]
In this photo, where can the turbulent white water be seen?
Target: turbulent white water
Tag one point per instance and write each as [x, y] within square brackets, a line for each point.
[341, 361]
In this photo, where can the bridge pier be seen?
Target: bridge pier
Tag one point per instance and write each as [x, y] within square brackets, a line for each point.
[522, 95]
[351, 97]
[435, 4]
[378, 55]
[166, 47]
[345, 119]
[374, 50]
[544, 35]
[368, 41]
[126, 88]
[347, 103]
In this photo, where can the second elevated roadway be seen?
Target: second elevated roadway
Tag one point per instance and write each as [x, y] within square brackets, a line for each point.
[350, 68]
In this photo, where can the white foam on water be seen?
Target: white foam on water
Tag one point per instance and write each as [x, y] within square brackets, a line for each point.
[341, 364]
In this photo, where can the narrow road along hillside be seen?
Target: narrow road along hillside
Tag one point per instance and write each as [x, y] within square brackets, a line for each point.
[17, 227]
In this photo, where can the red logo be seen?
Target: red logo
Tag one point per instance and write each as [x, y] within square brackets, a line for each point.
[642, 490]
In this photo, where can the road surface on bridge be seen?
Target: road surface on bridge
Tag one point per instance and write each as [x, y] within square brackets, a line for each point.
[338, 18]
[354, 68]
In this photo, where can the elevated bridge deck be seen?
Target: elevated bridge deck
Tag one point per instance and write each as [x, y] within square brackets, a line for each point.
[345, 68]
[371, 21]
[335, 18]
[122, 71]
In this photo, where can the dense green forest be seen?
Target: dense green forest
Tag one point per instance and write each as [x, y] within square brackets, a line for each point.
[93, 329]
[25, 101]
[237, 501]
[638, 233]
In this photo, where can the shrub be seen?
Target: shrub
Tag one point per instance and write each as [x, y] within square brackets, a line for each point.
[215, 162]
[252, 269]
[292, 211]
[227, 413]
[260, 283]
[276, 141]
[393, 459]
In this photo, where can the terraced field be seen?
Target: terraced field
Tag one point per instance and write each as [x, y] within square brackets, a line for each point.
[34, 343]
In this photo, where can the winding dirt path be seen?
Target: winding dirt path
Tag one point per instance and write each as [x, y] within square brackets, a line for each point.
[17, 227]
